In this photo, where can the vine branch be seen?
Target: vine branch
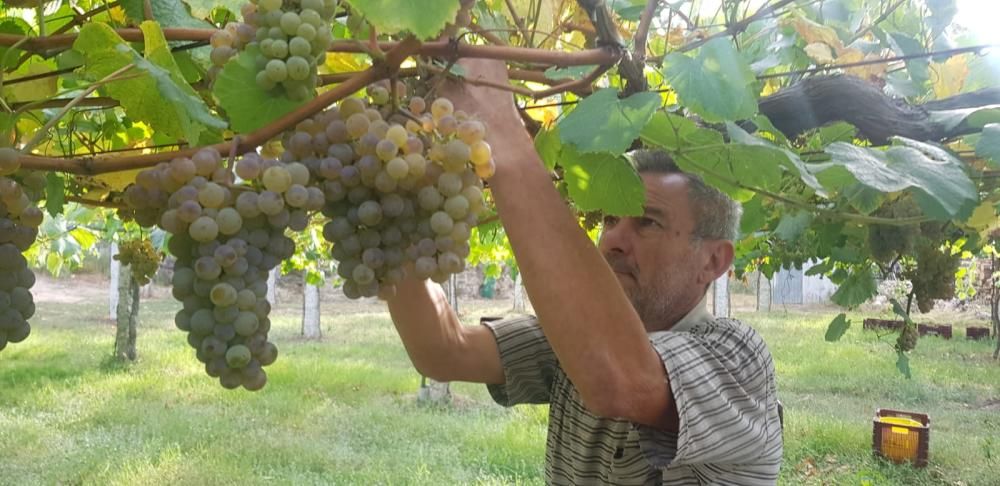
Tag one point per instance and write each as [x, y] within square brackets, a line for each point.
[102, 165]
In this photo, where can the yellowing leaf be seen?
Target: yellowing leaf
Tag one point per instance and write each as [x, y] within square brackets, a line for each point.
[869, 71]
[676, 37]
[117, 181]
[950, 76]
[117, 14]
[820, 52]
[813, 32]
[35, 90]
[345, 62]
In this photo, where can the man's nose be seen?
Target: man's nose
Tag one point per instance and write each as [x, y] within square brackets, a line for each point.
[617, 237]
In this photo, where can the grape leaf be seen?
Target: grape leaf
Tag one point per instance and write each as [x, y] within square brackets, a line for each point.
[903, 364]
[603, 123]
[717, 84]
[55, 193]
[568, 73]
[9, 55]
[754, 216]
[792, 226]
[169, 13]
[422, 19]
[988, 146]
[203, 8]
[937, 179]
[768, 153]
[856, 289]
[603, 182]
[248, 106]
[172, 85]
[549, 146]
[105, 52]
[672, 132]
[837, 328]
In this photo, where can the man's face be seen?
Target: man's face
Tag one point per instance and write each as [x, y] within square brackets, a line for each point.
[654, 256]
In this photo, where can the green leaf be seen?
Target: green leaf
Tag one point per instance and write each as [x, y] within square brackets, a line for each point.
[672, 132]
[718, 84]
[15, 26]
[903, 364]
[168, 13]
[423, 19]
[792, 226]
[856, 289]
[603, 123]
[937, 178]
[763, 160]
[248, 106]
[603, 182]
[837, 328]
[754, 216]
[549, 146]
[141, 97]
[988, 146]
[900, 311]
[203, 8]
[55, 193]
[191, 109]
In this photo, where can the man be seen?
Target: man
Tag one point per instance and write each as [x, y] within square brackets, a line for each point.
[644, 385]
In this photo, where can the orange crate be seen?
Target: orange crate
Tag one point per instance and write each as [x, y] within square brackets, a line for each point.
[901, 436]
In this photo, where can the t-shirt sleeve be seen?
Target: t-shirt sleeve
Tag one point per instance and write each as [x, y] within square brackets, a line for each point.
[529, 365]
[722, 379]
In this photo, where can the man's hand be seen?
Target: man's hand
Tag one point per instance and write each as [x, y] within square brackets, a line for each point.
[493, 106]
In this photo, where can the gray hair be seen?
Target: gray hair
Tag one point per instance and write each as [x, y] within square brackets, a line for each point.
[716, 215]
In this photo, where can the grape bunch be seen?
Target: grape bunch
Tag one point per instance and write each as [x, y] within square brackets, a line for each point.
[19, 221]
[142, 259]
[933, 277]
[292, 36]
[908, 337]
[886, 242]
[226, 237]
[398, 192]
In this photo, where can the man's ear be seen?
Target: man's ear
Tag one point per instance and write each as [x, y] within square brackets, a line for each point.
[718, 258]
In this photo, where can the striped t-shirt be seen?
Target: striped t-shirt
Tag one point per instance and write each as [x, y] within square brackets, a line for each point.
[722, 378]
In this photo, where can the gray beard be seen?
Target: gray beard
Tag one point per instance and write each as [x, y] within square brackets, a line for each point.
[651, 305]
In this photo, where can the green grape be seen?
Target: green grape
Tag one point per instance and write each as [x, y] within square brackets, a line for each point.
[238, 356]
[370, 213]
[298, 68]
[203, 229]
[480, 153]
[442, 223]
[442, 107]
[397, 135]
[299, 46]
[9, 162]
[397, 168]
[276, 70]
[290, 23]
[276, 179]
[307, 32]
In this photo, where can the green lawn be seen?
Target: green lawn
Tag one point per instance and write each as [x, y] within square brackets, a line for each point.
[343, 411]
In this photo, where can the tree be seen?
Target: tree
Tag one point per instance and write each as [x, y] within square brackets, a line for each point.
[864, 134]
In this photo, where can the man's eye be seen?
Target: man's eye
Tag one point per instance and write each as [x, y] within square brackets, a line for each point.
[644, 222]
[610, 220]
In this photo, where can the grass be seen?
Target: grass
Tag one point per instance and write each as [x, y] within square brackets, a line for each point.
[343, 410]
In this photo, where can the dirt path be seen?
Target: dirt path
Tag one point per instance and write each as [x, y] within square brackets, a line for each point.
[69, 290]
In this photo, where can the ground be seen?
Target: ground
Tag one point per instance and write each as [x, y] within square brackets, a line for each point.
[343, 410]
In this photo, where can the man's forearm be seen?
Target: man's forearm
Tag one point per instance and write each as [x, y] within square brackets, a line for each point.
[426, 323]
[585, 314]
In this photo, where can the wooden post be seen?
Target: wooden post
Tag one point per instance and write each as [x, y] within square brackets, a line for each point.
[113, 287]
[519, 301]
[763, 293]
[127, 315]
[439, 392]
[272, 286]
[720, 297]
[310, 312]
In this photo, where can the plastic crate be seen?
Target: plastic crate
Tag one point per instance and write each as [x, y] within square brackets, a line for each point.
[901, 436]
